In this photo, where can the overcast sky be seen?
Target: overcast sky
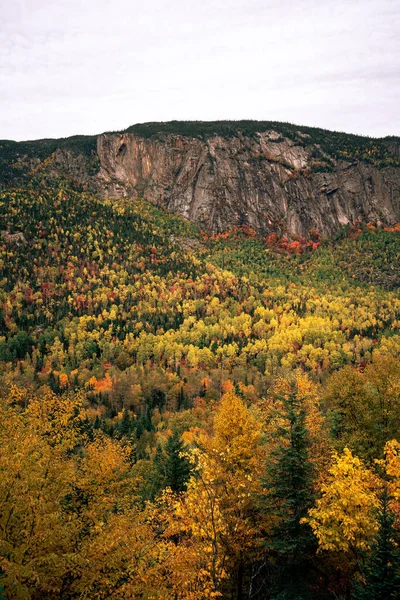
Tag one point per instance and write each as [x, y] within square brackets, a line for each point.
[88, 66]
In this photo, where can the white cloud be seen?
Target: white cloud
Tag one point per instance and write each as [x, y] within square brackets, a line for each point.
[70, 67]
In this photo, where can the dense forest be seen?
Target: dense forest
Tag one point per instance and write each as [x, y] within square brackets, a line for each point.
[188, 417]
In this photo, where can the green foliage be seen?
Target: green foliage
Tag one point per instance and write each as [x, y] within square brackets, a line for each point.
[364, 406]
[337, 144]
[359, 255]
[18, 158]
[290, 488]
[381, 573]
[176, 465]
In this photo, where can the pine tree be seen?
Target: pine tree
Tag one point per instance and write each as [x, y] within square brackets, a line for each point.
[181, 399]
[291, 495]
[159, 461]
[382, 569]
[54, 383]
[238, 391]
[176, 466]
[125, 426]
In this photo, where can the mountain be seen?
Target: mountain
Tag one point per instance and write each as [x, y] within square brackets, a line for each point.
[267, 175]
[189, 414]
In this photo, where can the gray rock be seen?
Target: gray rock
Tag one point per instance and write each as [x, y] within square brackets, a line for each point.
[16, 239]
[261, 181]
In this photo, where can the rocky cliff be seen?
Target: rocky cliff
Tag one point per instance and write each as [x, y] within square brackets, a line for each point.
[280, 177]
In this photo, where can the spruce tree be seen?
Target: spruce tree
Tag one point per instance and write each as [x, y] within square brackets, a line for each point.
[176, 466]
[181, 399]
[291, 495]
[382, 569]
[125, 426]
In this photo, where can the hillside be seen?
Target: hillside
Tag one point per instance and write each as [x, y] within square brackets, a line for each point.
[81, 258]
[190, 414]
[267, 175]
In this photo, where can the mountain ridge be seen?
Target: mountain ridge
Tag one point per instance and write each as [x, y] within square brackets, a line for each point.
[178, 127]
[268, 175]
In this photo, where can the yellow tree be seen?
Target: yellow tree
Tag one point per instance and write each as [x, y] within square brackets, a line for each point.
[118, 553]
[217, 516]
[35, 476]
[391, 465]
[364, 406]
[70, 522]
[345, 516]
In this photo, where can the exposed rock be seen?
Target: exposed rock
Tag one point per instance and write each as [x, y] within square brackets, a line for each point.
[276, 178]
[186, 242]
[260, 181]
[16, 239]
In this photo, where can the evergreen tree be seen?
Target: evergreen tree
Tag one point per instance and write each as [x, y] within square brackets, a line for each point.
[86, 428]
[181, 399]
[125, 426]
[291, 495]
[382, 569]
[54, 383]
[159, 461]
[176, 466]
[238, 391]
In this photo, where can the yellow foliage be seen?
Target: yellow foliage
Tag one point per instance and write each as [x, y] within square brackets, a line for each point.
[345, 517]
[217, 515]
[69, 516]
[63, 380]
[392, 468]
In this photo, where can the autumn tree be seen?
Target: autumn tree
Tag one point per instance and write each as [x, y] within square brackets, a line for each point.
[117, 549]
[71, 524]
[344, 518]
[36, 540]
[365, 406]
[219, 511]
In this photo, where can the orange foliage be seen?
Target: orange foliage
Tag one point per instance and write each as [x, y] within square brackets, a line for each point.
[226, 386]
[63, 380]
[103, 385]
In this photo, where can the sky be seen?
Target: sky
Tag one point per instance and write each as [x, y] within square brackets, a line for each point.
[87, 66]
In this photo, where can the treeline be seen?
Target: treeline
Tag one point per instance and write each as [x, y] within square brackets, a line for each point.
[17, 159]
[339, 145]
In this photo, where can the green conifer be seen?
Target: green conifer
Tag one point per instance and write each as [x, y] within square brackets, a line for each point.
[382, 569]
[177, 466]
[291, 495]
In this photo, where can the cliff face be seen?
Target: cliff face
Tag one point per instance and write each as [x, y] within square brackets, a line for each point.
[271, 176]
[262, 181]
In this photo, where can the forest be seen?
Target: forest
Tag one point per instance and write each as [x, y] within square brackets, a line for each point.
[193, 417]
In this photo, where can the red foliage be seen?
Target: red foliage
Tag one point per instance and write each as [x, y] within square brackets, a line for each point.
[272, 239]
[295, 247]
